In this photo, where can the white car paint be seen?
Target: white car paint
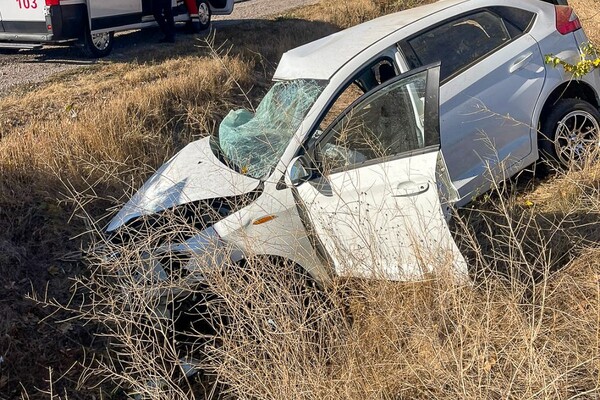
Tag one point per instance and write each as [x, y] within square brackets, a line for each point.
[416, 241]
[33, 11]
[383, 213]
[499, 96]
[324, 58]
[110, 8]
[192, 174]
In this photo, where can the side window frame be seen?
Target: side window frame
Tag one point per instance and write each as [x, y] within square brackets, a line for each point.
[431, 117]
[312, 139]
[413, 61]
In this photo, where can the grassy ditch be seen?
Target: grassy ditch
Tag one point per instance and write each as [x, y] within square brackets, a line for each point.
[96, 134]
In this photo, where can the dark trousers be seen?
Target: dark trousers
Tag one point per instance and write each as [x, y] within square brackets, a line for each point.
[163, 14]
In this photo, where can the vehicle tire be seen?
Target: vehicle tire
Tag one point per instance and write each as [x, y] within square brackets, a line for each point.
[569, 131]
[204, 15]
[97, 45]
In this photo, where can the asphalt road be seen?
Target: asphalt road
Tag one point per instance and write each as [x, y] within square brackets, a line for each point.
[33, 66]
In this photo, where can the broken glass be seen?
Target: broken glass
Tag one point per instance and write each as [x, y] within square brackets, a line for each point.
[254, 143]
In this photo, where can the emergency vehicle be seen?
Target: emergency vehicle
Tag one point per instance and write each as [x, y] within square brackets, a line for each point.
[28, 24]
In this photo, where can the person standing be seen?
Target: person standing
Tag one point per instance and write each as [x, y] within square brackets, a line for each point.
[163, 14]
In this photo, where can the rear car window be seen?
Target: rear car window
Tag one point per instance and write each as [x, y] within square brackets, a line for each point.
[463, 41]
[520, 19]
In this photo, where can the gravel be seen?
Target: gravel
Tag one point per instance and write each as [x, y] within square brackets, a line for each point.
[262, 8]
[34, 66]
[37, 65]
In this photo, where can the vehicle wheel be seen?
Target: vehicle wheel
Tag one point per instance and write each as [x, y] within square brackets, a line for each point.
[202, 22]
[98, 45]
[570, 131]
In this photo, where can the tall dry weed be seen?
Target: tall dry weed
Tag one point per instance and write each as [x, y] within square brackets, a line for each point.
[347, 13]
[154, 109]
[527, 327]
[525, 331]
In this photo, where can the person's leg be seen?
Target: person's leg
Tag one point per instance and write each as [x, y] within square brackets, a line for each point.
[169, 21]
[157, 11]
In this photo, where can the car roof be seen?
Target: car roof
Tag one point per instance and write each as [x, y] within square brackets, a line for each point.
[322, 58]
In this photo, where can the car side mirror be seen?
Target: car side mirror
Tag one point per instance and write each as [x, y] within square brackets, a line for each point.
[297, 172]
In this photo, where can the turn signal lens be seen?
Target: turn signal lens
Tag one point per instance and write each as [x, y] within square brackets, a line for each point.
[264, 219]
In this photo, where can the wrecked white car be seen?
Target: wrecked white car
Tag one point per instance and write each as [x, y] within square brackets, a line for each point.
[365, 205]
[347, 164]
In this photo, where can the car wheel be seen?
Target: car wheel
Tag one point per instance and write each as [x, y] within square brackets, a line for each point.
[98, 45]
[569, 132]
[202, 22]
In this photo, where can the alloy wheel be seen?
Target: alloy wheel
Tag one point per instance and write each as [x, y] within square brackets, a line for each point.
[101, 41]
[203, 13]
[576, 134]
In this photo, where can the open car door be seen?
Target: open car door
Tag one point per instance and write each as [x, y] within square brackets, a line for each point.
[221, 7]
[373, 209]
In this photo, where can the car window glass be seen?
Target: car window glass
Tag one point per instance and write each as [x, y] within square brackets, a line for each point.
[515, 19]
[369, 78]
[383, 124]
[344, 100]
[461, 42]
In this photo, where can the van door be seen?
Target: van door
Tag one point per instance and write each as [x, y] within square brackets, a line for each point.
[23, 16]
[109, 14]
[221, 7]
[1, 26]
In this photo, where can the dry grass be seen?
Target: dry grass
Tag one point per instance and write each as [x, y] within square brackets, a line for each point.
[95, 125]
[99, 132]
[348, 13]
[528, 327]
[589, 13]
[523, 332]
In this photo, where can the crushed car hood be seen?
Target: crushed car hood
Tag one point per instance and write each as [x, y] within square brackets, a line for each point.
[191, 175]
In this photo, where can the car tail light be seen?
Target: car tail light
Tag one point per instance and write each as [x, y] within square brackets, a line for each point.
[566, 20]
[52, 3]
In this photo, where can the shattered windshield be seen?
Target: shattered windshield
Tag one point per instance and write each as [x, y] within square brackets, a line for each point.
[254, 143]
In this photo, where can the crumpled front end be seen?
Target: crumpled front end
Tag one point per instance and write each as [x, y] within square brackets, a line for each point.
[163, 241]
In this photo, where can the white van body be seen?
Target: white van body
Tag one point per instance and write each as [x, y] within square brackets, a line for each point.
[32, 23]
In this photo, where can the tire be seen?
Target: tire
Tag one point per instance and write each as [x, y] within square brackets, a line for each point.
[569, 132]
[204, 16]
[98, 45]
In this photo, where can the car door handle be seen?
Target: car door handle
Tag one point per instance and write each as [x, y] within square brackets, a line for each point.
[410, 188]
[520, 62]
